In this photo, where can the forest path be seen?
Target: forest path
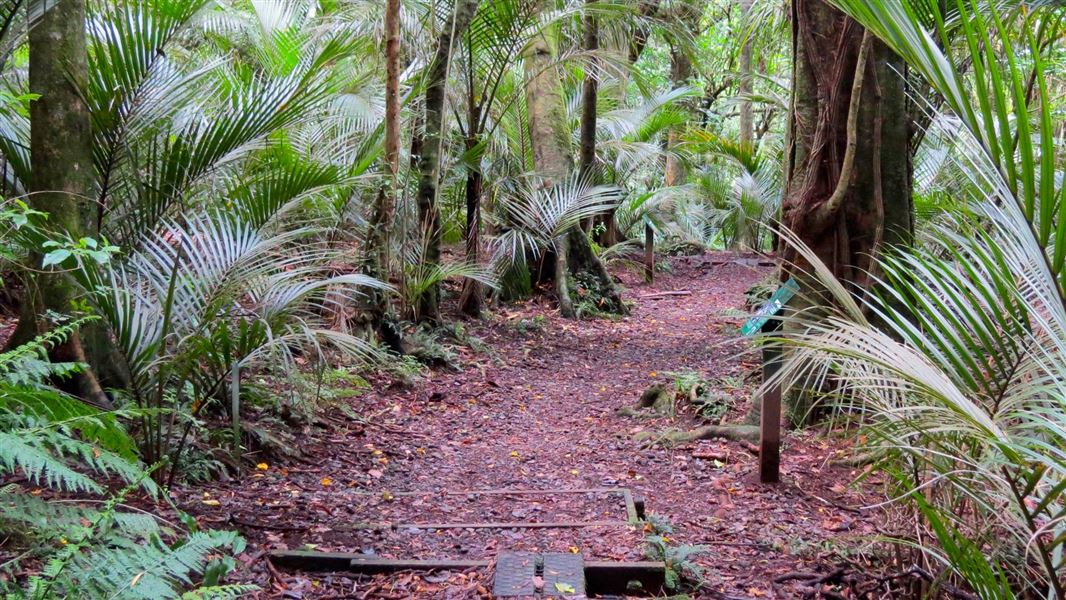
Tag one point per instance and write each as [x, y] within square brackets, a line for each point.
[539, 412]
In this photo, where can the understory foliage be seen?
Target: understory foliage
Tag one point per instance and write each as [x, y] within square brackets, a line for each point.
[956, 358]
[68, 518]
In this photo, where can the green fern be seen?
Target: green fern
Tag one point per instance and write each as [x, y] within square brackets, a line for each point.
[150, 571]
[219, 592]
[89, 548]
[37, 349]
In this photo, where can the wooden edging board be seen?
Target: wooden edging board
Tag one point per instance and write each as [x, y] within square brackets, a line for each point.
[602, 577]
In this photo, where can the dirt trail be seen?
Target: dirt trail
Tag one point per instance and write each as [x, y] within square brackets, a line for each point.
[539, 412]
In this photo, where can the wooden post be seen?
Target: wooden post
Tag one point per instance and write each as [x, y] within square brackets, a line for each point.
[770, 415]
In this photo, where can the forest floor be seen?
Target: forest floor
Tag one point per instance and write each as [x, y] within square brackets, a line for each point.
[535, 407]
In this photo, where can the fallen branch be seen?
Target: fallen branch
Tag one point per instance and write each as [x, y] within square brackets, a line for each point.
[665, 294]
[914, 572]
[244, 523]
[810, 578]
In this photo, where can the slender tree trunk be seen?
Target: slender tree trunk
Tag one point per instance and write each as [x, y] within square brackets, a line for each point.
[429, 161]
[649, 253]
[553, 159]
[470, 301]
[589, 93]
[381, 220]
[589, 105]
[848, 169]
[63, 177]
[689, 14]
[747, 129]
[639, 41]
[392, 89]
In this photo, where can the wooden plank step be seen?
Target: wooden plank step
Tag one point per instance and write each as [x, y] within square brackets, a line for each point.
[514, 575]
[365, 563]
[564, 575]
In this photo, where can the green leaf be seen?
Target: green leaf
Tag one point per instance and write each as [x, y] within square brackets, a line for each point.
[55, 257]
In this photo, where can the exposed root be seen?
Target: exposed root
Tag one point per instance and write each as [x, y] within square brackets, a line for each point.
[735, 433]
[855, 460]
[660, 399]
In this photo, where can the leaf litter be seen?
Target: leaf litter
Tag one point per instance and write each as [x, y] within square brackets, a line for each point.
[540, 412]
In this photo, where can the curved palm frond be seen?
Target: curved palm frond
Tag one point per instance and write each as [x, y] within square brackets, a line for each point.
[534, 215]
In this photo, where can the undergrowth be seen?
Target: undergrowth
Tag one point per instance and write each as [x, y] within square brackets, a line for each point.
[67, 521]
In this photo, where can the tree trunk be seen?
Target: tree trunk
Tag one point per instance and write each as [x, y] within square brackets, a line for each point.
[848, 169]
[578, 269]
[378, 239]
[649, 253]
[589, 92]
[549, 135]
[392, 89]
[429, 161]
[63, 175]
[471, 299]
[639, 41]
[609, 235]
[688, 14]
[747, 129]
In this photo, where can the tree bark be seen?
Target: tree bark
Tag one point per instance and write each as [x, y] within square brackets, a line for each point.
[429, 162]
[471, 299]
[589, 93]
[381, 219]
[649, 253]
[848, 170]
[549, 135]
[747, 130]
[688, 14]
[63, 176]
[578, 269]
[392, 89]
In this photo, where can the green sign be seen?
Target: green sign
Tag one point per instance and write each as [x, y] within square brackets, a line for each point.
[770, 308]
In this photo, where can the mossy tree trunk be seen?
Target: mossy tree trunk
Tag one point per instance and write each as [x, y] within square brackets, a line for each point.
[578, 271]
[848, 168]
[63, 176]
[429, 161]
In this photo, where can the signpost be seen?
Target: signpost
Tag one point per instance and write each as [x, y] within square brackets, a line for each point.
[765, 320]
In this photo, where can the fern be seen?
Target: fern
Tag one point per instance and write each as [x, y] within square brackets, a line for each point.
[48, 456]
[54, 519]
[152, 571]
[65, 411]
[219, 592]
[37, 349]
[89, 548]
[105, 552]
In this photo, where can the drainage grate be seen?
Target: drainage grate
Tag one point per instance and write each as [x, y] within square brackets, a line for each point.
[564, 575]
[514, 574]
[525, 574]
